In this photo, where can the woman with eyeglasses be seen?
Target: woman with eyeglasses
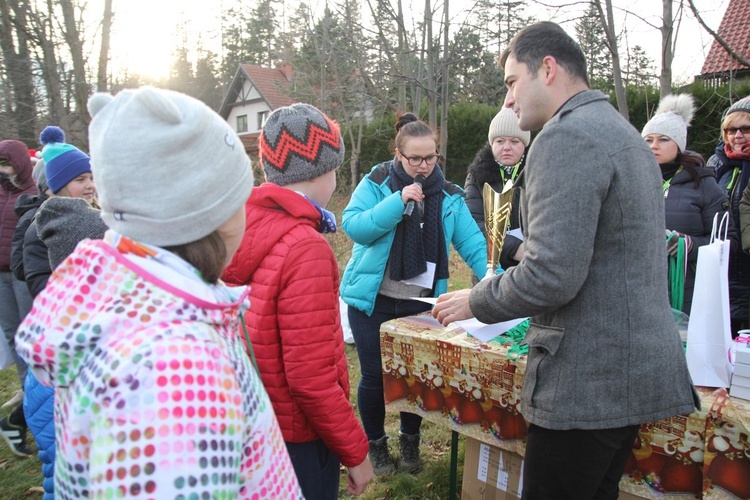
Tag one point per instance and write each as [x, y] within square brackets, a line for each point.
[499, 161]
[732, 162]
[691, 195]
[403, 217]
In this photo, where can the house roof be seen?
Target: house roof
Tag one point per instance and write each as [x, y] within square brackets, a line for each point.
[735, 30]
[272, 84]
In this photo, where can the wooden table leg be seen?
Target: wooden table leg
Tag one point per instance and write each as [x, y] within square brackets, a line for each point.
[452, 493]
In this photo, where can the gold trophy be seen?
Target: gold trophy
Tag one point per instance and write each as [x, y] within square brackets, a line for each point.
[497, 208]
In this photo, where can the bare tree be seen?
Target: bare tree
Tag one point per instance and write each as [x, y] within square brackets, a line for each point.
[430, 71]
[665, 77]
[74, 41]
[444, 90]
[101, 80]
[44, 34]
[14, 43]
[608, 23]
[402, 55]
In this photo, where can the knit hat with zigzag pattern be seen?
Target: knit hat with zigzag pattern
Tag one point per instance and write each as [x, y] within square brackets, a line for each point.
[299, 143]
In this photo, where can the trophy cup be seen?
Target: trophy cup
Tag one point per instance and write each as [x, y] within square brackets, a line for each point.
[497, 208]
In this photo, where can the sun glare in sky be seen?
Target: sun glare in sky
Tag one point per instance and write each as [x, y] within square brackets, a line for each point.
[145, 33]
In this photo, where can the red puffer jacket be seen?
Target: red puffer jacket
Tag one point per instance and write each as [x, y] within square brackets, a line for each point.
[294, 322]
[17, 154]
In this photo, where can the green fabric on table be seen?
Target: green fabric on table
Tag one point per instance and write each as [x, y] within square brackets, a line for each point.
[514, 338]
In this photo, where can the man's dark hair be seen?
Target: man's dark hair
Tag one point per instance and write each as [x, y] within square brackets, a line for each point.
[533, 43]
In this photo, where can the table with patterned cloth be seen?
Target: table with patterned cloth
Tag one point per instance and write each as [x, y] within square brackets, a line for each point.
[474, 388]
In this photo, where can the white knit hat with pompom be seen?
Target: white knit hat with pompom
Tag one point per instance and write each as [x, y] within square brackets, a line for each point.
[674, 114]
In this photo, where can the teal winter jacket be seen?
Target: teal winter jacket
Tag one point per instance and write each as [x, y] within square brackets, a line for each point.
[370, 219]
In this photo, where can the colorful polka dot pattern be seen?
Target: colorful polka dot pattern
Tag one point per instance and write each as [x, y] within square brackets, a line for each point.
[156, 397]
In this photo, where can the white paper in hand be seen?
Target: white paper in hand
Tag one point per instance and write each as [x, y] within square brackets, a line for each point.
[425, 280]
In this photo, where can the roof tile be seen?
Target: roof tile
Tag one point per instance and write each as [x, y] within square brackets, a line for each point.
[271, 83]
[735, 30]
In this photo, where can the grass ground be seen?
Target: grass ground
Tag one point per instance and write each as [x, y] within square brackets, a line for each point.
[22, 478]
[19, 478]
[432, 482]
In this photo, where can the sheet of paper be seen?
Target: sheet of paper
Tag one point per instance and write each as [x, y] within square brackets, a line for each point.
[429, 300]
[476, 328]
[502, 475]
[426, 279]
[484, 462]
[517, 233]
[485, 332]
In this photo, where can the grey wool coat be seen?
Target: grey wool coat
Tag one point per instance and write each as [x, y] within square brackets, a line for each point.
[604, 351]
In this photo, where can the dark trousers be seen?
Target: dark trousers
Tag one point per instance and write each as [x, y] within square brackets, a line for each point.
[575, 464]
[317, 469]
[366, 333]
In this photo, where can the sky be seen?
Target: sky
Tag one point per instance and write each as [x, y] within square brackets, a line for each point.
[145, 32]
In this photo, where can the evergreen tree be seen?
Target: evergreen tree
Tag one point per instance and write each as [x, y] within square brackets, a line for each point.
[465, 60]
[208, 87]
[290, 39]
[181, 74]
[639, 69]
[477, 77]
[592, 39]
[262, 26]
[499, 21]
[233, 41]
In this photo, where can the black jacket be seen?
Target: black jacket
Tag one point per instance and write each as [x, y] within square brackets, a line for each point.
[35, 261]
[483, 169]
[739, 262]
[690, 210]
[25, 208]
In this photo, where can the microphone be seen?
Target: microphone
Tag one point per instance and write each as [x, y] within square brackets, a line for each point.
[409, 208]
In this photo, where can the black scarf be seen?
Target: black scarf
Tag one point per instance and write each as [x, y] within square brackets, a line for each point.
[668, 170]
[413, 246]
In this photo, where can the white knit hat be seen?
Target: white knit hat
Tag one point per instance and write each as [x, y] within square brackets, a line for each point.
[672, 119]
[168, 169]
[506, 123]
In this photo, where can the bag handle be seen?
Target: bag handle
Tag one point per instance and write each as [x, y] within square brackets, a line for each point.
[716, 229]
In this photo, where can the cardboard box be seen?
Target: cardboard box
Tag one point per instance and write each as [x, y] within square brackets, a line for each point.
[742, 353]
[742, 370]
[737, 391]
[491, 473]
[740, 380]
[628, 496]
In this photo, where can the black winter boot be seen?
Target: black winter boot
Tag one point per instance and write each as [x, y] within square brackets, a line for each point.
[381, 460]
[408, 447]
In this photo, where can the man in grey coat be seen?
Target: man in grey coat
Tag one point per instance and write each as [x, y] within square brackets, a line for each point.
[604, 352]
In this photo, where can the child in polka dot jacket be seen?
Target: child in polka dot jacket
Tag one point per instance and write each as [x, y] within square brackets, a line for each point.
[155, 395]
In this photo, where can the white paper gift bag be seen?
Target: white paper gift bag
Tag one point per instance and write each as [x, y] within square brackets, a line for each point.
[709, 337]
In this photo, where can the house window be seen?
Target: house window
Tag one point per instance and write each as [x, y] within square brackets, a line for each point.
[262, 119]
[242, 123]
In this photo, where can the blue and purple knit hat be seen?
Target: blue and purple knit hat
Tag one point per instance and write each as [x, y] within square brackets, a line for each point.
[62, 162]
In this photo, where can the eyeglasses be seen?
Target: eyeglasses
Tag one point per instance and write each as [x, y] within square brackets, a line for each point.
[744, 130]
[416, 161]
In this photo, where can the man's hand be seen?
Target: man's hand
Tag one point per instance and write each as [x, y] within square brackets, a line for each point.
[358, 477]
[453, 306]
